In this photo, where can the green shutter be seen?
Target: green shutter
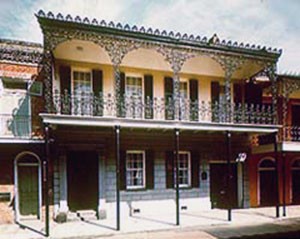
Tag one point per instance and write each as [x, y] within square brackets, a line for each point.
[149, 169]
[193, 84]
[148, 92]
[169, 104]
[169, 169]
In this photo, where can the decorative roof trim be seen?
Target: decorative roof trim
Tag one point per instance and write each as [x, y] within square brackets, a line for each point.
[214, 41]
[20, 51]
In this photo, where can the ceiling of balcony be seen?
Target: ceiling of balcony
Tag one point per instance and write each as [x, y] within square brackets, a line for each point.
[85, 51]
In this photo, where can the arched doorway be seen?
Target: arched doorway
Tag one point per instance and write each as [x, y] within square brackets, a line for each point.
[295, 168]
[267, 182]
[28, 192]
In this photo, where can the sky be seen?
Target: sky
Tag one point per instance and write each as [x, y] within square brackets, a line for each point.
[271, 23]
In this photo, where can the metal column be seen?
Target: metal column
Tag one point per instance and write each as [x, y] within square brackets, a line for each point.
[228, 181]
[283, 184]
[46, 178]
[117, 138]
[177, 178]
[277, 176]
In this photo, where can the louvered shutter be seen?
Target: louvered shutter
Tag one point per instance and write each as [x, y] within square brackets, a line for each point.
[193, 99]
[195, 169]
[169, 104]
[148, 91]
[149, 169]
[98, 92]
[169, 169]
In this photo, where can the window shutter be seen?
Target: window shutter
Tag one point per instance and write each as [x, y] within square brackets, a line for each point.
[121, 103]
[253, 93]
[122, 81]
[97, 82]
[238, 93]
[65, 79]
[123, 170]
[65, 87]
[193, 99]
[169, 106]
[98, 90]
[215, 91]
[149, 169]
[148, 90]
[195, 169]
[169, 169]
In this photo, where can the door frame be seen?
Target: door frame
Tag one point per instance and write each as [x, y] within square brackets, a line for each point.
[292, 169]
[259, 169]
[16, 184]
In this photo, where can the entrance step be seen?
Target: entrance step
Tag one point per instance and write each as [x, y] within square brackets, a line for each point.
[73, 217]
[87, 215]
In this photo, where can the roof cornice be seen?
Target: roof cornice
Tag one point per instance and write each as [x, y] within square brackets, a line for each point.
[111, 28]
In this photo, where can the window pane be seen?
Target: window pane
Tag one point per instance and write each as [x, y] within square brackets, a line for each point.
[135, 170]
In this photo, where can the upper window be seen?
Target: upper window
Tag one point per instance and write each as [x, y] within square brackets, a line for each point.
[183, 90]
[135, 169]
[134, 86]
[82, 82]
[184, 169]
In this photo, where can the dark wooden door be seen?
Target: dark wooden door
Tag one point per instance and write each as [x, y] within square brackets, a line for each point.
[82, 180]
[218, 186]
[296, 186]
[28, 190]
[268, 191]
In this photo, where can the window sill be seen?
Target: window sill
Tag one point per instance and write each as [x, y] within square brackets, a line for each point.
[135, 189]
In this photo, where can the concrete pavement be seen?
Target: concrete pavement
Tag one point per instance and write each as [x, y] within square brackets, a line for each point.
[207, 225]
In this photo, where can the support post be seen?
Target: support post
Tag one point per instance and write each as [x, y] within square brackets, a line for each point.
[277, 176]
[283, 184]
[176, 96]
[228, 74]
[228, 181]
[46, 178]
[118, 96]
[177, 178]
[117, 147]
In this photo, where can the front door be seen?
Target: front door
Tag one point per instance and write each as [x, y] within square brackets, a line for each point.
[268, 192]
[218, 181]
[28, 190]
[82, 174]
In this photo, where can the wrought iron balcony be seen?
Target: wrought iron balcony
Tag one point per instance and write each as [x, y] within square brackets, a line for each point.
[291, 133]
[88, 104]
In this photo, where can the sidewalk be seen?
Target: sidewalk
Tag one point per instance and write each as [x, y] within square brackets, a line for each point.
[209, 224]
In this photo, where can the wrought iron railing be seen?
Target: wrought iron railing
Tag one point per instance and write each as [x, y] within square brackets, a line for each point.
[18, 126]
[291, 133]
[88, 104]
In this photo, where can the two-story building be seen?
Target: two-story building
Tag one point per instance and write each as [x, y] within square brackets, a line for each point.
[147, 121]
[264, 169]
[21, 141]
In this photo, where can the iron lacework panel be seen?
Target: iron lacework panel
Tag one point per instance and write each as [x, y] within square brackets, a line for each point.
[88, 104]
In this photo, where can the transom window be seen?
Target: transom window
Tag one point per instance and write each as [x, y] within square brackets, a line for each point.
[82, 82]
[135, 169]
[184, 169]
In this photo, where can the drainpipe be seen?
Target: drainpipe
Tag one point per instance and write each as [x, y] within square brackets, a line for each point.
[46, 178]
[117, 138]
[284, 186]
[277, 176]
[177, 178]
[228, 181]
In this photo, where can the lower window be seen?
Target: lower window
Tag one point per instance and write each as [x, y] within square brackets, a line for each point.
[135, 169]
[184, 169]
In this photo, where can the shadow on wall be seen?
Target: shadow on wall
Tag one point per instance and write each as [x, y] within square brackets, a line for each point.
[20, 122]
